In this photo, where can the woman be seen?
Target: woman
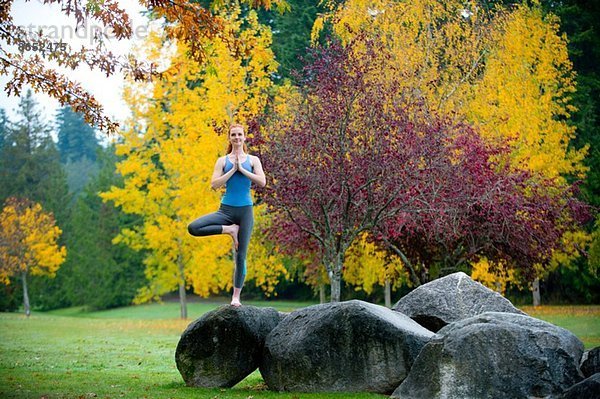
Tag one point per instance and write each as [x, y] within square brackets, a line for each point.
[236, 171]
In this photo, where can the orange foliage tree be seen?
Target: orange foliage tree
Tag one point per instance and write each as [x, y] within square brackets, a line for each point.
[28, 243]
[25, 57]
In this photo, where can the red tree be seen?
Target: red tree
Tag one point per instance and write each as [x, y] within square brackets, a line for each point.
[347, 157]
[353, 156]
[473, 206]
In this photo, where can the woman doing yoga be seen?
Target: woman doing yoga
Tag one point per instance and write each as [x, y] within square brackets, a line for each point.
[236, 171]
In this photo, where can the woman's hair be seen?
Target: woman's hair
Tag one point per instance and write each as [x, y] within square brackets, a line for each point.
[229, 146]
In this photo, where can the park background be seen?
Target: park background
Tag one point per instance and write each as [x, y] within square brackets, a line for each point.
[122, 208]
[61, 165]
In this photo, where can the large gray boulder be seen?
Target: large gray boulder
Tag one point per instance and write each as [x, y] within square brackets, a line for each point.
[449, 299]
[345, 346]
[224, 346]
[586, 389]
[590, 362]
[495, 355]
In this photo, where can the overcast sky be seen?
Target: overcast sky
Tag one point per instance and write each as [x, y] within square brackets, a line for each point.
[33, 15]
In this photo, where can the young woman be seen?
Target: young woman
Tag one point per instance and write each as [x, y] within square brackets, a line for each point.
[236, 171]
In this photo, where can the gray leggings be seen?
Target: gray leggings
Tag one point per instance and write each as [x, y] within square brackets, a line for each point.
[210, 224]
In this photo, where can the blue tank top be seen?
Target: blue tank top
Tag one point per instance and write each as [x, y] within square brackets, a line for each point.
[237, 188]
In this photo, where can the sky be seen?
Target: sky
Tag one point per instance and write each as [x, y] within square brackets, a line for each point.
[33, 15]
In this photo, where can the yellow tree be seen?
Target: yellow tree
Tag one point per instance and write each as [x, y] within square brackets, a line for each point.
[524, 95]
[495, 276]
[523, 99]
[28, 243]
[169, 149]
[438, 47]
[366, 266]
[507, 71]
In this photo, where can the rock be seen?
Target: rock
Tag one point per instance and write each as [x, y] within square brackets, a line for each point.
[449, 299]
[225, 345]
[345, 346]
[283, 315]
[590, 362]
[495, 355]
[586, 389]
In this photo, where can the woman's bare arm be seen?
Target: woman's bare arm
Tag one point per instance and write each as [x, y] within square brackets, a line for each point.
[219, 178]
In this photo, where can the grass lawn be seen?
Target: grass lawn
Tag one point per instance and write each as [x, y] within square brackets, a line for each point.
[171, 310]
[129, 352]
[583, 321]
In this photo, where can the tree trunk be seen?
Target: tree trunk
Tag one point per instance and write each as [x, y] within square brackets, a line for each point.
[336, 282]
[412, 273]
[182, 295]
[536, 292]
[322, 297]
[334, 264]
[388, 293]
[25, 295]
[182, 301]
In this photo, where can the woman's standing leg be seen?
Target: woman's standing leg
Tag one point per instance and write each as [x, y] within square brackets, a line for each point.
[246, 223]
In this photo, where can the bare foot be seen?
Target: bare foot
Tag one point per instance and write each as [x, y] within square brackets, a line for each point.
[233, 230]
[236, 302]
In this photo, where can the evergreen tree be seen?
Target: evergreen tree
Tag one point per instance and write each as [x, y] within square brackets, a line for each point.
[79, 173]
[3, 127]
[97, 274]
[579, 20]
[76, 139]
[9, 299]
[30, 168]
[291, 33]
[78, 145]
[16, 154]
[29, 162]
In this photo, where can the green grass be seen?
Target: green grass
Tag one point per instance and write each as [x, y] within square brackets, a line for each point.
[120, 353]
[171, 310]
[583, 321]
[129, 352]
